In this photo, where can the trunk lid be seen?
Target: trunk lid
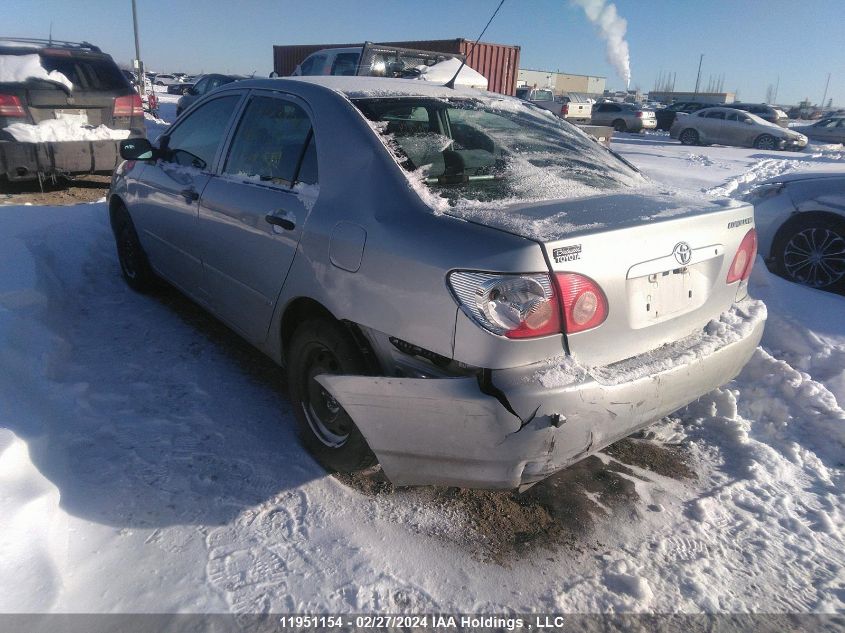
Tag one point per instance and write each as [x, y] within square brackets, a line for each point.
[662, 262]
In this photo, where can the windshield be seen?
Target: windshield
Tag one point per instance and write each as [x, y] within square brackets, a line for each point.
[494, 149]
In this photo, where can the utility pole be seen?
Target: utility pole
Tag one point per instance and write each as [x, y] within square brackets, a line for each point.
[777, 85]
[697, 78]
[137, 63]
[825, 90]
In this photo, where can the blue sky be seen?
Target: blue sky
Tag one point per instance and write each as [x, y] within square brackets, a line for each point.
[750, 42]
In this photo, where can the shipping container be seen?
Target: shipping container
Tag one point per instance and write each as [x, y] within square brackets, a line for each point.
[498, 62]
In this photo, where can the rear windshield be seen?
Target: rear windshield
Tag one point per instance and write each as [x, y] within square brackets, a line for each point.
[496, 149]
[90, 73]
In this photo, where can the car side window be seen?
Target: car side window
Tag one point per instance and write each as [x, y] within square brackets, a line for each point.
[270, 142]
[312, 65]
[195, 140]
[715, 115]
[201, 86]
[345, 64]
[732, 116]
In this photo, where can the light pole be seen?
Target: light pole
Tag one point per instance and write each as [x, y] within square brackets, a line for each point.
[137, 63]
[697, 78]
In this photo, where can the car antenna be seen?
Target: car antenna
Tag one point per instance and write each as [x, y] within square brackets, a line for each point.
[451, 82]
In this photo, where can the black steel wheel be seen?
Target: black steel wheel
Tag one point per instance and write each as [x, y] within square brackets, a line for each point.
[811, 251]
[320, 347]
[134, 265]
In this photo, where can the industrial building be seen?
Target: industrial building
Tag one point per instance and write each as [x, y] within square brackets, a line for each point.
[497, 62]
[562, 82]
[701, 97]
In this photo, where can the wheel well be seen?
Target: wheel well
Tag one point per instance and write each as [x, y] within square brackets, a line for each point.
[305, 309]
[797, 219]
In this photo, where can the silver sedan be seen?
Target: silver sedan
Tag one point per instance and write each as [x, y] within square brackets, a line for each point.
[828, 130]
[727, 126]
[462, 287]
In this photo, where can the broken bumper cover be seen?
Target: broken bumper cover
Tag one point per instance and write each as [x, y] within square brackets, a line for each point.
[446, 431]
[24, 161]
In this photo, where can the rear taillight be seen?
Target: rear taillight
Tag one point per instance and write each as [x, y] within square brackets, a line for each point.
[10, 105]
[564, 110]
[584, 302]
[130, 105]
[639, 115]
[743, 261]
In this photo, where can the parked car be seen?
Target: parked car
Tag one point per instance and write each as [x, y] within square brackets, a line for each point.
[801, 227]
[325, 220]
[570, 106]
[763, 110]
[666, 116]
[828, 130]
[728, 126]
[63, 108]
[180, 88]
[162, 79]
[623, 117]
[204, 85]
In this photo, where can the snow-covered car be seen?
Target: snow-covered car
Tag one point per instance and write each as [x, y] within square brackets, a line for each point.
[461, 286]
[729, 126]
[801, 226]
[63, 108]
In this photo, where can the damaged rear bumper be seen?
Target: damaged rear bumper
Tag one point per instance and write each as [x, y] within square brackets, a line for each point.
[24, 161]
[546, 416]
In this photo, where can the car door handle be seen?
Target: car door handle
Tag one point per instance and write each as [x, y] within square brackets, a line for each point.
[285, 223]
[190, 195]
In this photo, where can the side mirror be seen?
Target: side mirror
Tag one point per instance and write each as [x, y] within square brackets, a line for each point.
[137, 149]
[748, 122]
[192, 91]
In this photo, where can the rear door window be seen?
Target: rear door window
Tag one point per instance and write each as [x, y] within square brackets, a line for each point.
[270, 143]
[715, 115]
[195, 140]
[345, 64]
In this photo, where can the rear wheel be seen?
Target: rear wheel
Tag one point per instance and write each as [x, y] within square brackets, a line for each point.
[323, 346]
[811, 251]
[765, 141]
[134, 265]
[619, 125]
[689, 137]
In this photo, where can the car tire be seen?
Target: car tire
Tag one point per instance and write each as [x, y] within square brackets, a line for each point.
[810, 250]
[765, 142]
[620, 126]
[134, 265]
[321, 346]
[689, 136]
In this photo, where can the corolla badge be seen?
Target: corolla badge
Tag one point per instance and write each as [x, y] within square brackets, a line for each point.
[682, 253]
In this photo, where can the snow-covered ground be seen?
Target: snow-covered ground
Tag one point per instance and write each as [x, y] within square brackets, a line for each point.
[148, 461]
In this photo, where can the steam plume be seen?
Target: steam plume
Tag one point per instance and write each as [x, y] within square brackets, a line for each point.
[612, 29]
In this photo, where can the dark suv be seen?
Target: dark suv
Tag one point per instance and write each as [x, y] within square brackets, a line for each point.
[64, 106]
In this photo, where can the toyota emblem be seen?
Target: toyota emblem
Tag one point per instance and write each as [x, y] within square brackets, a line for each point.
[682, 252]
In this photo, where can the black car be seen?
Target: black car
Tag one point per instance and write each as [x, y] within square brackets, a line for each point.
[46, 81]
[204, 84]
[762, 110]
[666, 116]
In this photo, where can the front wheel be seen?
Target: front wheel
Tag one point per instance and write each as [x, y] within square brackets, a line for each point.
[765, 141]
[689, 137]
[319, 347]
[134, 265]
[619, 125]
[812, 252]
